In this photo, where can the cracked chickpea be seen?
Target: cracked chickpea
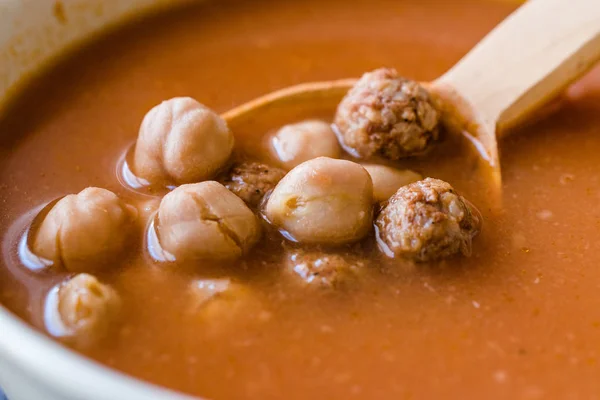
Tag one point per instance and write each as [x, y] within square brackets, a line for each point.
[206, 221]
[323, 201]
[181, 141]
[82, 310]
[85, 232]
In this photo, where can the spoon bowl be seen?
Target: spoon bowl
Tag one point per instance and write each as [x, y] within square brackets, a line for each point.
[522, 64]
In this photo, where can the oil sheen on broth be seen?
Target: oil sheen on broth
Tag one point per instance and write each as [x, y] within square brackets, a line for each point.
[520, 318]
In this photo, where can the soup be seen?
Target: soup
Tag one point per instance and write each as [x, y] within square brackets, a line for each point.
[518, 318]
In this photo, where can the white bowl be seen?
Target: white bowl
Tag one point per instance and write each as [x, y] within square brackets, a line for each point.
[32, 366]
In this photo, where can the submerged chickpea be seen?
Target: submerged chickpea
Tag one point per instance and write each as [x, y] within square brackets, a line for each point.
[82, 310]
[295, 143]
[220, 304]
[387, 115]
[86, 231]
[323, 201]
[206, 221]
[427, 220]
[250, 181]
[181, 141]
[387, 180]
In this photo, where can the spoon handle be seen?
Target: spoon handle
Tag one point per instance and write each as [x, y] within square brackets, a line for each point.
[526, 60]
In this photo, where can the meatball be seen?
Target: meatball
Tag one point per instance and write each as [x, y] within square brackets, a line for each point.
[387, 115]
[427, 220]
[386, 180]
[323, 201]
[82, 309]
[220, 304]
[250, 181]
[205, 221]
[86, 231]
[181, 141]
[295, 143]
[317, 268]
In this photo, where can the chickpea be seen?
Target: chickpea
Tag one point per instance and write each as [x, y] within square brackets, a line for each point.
[203, 290]
[181, 141]
[296, 143]
[82, 310]
[86, 231]
[219, 305]
[323, 201]
[206, 221]
[387, 180]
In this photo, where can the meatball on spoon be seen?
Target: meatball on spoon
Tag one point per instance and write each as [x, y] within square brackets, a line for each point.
[518, 67]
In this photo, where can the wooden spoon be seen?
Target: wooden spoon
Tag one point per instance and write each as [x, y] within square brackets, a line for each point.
[518, 67]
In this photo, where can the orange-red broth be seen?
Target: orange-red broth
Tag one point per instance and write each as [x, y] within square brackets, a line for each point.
[520, 318]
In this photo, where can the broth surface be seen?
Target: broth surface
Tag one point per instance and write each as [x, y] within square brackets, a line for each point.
[518, 319]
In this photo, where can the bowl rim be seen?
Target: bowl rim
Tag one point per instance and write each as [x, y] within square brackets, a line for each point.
[31, 38]
[70, 373]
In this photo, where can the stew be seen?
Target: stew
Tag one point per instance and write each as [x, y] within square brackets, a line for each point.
[516, 316]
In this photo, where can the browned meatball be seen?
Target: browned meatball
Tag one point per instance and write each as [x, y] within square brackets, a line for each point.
[318, 268]
[387, 115]
[250, 181]
[427, 220]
